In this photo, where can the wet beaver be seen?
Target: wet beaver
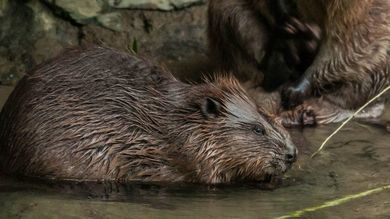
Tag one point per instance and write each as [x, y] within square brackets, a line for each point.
[261, 40]
[100, 114]
[353, 64]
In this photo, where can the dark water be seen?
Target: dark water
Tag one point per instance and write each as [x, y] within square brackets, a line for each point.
[356, 160]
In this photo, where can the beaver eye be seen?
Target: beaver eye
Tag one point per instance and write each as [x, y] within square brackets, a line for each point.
[258, 130]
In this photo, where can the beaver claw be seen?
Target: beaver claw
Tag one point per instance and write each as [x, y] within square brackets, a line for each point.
[296, 28]
[307, 118]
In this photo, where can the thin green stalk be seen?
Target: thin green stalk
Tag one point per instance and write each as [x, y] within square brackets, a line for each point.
[349, 119]
[335, 202]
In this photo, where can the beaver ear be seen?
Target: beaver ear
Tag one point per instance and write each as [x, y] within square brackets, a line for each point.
[210, 107]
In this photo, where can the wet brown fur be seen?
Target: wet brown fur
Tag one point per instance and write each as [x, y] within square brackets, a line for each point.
[353, 63]
[246, 37]
[101, 114]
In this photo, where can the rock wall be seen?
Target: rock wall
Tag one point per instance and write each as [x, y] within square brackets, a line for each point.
[171, 32]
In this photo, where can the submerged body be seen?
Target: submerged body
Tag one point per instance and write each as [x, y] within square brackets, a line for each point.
[100, 114]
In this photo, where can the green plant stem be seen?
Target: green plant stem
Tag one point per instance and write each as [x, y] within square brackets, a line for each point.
[335, 202]
[349, 119]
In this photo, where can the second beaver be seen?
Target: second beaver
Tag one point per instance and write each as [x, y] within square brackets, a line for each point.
[264, 40]
[353, 62]
[101, 114]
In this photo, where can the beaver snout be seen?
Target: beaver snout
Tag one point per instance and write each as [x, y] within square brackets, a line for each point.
[291, 154]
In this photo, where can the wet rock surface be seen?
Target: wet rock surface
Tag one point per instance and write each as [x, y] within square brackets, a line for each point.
[78, 10]
[153, 4]
[34, 31]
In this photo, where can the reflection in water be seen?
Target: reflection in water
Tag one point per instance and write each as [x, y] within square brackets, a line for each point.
[356, 160]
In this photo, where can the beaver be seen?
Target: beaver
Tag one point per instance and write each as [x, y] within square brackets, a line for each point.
[100, 114]
[261, 40]
[352, 65]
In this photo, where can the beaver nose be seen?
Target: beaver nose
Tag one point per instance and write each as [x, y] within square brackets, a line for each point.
[291, 154]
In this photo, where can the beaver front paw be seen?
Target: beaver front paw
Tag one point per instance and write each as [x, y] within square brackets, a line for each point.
[307, 117]
[301, 116]
[294, 95]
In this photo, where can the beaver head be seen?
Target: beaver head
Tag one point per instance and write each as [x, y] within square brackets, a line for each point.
[227, 138]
